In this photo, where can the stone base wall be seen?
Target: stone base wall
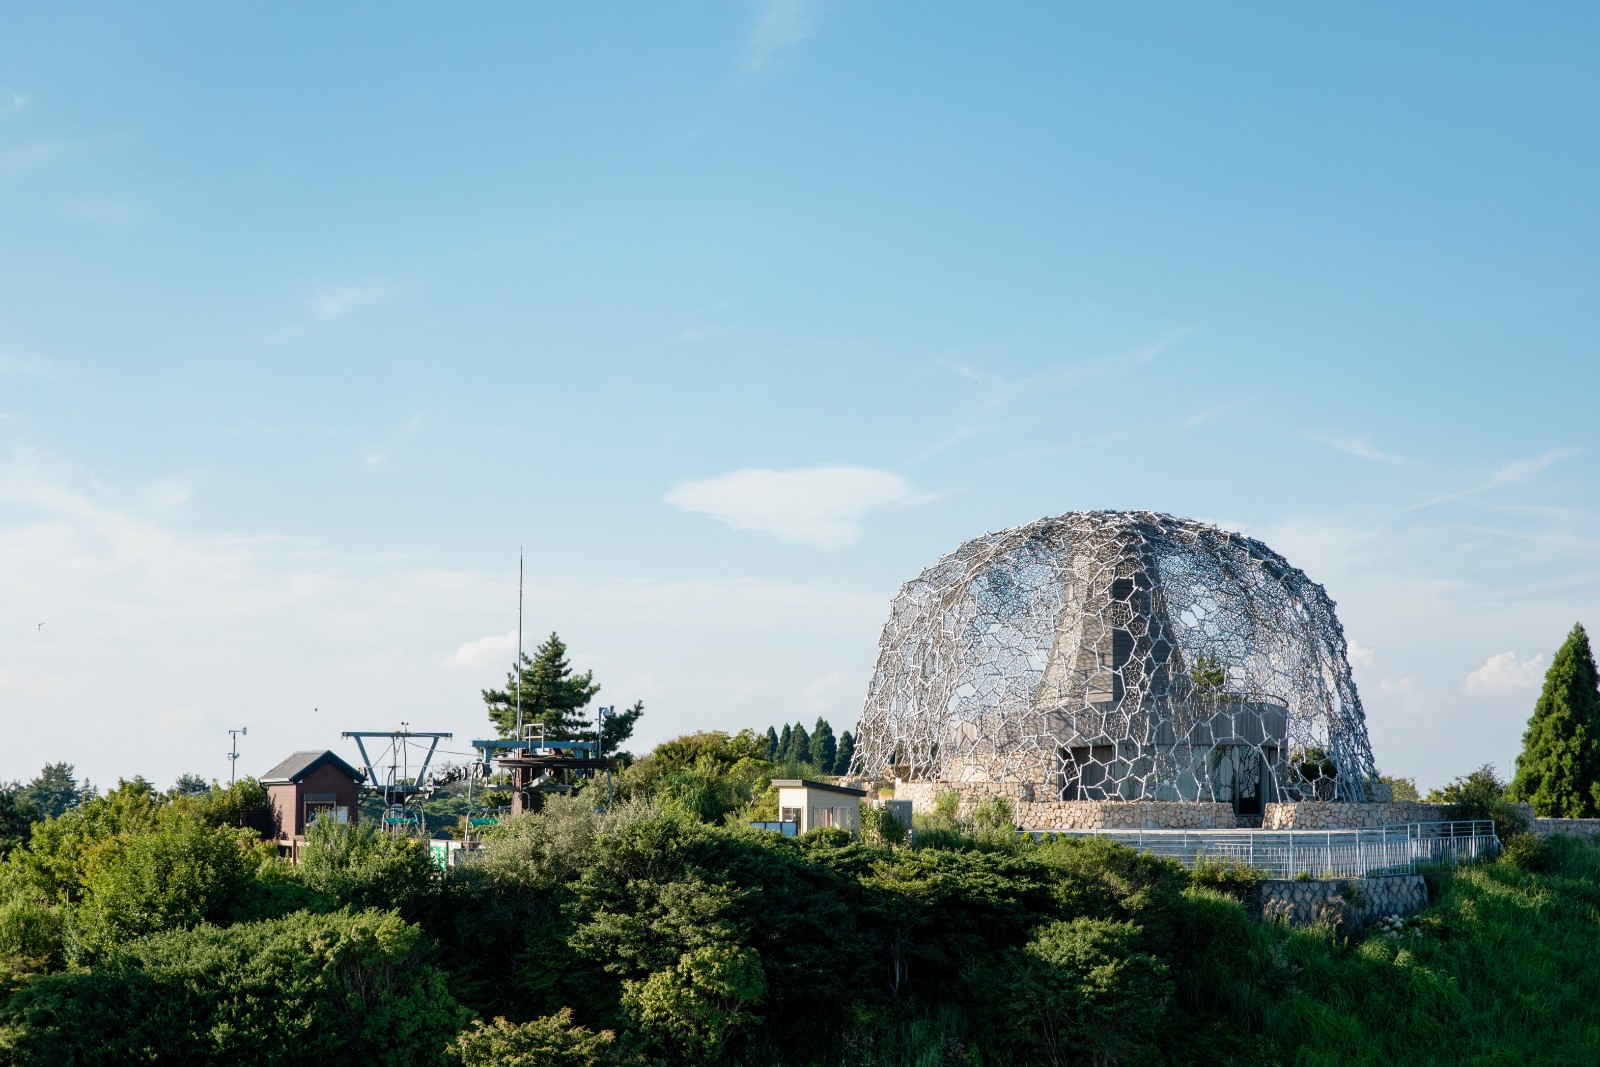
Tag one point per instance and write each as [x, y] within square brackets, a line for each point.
[1048, 814]
[1587, 829]
[1352, 902]
[1336, 815]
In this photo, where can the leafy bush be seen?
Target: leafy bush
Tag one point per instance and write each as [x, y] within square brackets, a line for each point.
[364, 867]
[1228, 875]
[1524, 851]
[339, 988]
[177, 875]
[548, 1041]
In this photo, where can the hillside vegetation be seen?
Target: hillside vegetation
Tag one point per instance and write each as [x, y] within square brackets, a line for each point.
[141, 928]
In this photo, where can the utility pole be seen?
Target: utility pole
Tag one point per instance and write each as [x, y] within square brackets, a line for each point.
[233, 752]
[600, 717]
[517, 669]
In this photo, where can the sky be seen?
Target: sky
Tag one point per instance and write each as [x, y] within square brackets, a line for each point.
[730, 317]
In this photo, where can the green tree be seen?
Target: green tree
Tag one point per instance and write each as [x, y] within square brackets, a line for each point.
[785, 744]
[799, 745]
[190, 785]
[1558, 771]
[54, 791]
[177, 875]
[1208, 675]
[549, 1041]
[771, 755]
[551, 693]
[822, 749]
[1400, 788]
[341, 988]
[619, 727]
[17, 815]
[846, 754]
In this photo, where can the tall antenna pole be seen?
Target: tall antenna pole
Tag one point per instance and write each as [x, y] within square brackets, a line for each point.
[518, 667]
[233, 752]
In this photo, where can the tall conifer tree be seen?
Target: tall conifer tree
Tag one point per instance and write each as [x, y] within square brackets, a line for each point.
[772, 745]
[799, 745]
[846, 753]
[552, 695]
[1559, 769]
[823, 747]
[785, 743]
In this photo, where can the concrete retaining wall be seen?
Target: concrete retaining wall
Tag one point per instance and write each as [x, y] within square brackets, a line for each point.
[1353, 903]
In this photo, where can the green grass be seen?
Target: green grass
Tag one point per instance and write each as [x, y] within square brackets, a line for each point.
[1503, 968]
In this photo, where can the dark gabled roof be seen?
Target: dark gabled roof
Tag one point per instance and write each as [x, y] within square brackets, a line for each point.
[301, 764]
[806, 783]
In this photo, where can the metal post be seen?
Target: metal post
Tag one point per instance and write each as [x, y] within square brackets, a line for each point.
[233, 752]
[1291, 853]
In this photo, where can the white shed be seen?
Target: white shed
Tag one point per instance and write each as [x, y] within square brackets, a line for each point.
[814, 804]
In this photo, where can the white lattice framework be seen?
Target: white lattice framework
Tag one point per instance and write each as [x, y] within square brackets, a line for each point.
[1071, 655]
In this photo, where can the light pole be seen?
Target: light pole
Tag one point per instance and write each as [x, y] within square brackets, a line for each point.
[233, 752]
[600, 717]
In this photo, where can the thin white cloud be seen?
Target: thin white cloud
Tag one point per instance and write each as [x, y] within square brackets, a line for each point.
[335, 302]
[1360, 655]
[19, 367]
[822, 506]
[11, 101]
[1203, 417]
[1359, 447]
[496, 649]
[1505, 673]
[779, 28]
[1508, 474]
[168, 619]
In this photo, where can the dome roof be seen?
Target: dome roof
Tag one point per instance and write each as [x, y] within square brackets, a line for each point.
[1118, 655]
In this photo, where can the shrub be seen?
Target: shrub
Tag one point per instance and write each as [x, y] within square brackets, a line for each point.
[1523, 851]
[548, 1041]
[702, 1002]
[1228, 875]
[364, 867]
[344, 988]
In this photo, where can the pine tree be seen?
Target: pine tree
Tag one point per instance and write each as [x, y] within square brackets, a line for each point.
[1558, 771]
[772, 746]
[55, 790]
[785, 743]
[846, 753]
[619, 727]
[552, 695]
[799, 745]
[823, 748]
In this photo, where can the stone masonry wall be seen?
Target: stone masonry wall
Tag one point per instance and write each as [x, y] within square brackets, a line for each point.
[1587, 829]
[1336, 815]
[1048, 814]
[1353, 902]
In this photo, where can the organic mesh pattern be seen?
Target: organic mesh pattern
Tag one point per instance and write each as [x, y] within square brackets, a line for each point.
[1119, 655]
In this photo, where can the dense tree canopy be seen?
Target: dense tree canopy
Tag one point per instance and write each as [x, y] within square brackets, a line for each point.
[1558, 771]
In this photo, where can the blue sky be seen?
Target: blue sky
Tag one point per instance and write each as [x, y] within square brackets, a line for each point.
[734, 316]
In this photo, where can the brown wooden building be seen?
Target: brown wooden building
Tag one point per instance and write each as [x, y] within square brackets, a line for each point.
[308, 786]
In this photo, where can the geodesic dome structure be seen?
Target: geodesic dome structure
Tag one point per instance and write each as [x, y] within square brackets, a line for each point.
[1111, 655]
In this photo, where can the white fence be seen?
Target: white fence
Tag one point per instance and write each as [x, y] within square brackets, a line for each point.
[1398, 849]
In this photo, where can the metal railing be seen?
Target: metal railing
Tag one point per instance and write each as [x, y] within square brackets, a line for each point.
[1398, 849]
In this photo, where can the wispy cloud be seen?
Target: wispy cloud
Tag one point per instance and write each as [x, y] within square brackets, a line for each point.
[821, 506]
[1202, 417]
[779, 28]
[496, 649]
[21, 367]
[335, 302]
[11, 101]
[1508, 474]
[1505, 673]
[1359, 447]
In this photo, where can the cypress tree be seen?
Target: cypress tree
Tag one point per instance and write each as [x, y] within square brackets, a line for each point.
[1558, 771]
[823, 747]
[784, 745]
[799, 745]
[771, 753]
[846, 753]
